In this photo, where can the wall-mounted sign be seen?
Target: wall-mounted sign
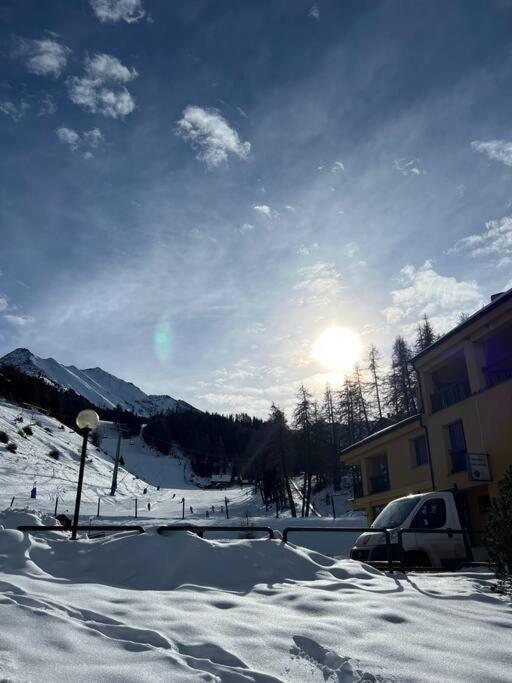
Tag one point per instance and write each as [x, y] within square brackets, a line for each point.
[478, 467]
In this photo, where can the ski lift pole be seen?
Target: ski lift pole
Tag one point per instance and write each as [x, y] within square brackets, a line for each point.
[135, 508]
[226, 501]
[98, 510]
[183, 508]
[116, 466]
[56, 505]
[333, 508]
[12, 501]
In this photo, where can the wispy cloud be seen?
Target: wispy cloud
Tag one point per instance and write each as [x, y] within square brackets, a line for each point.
[47, 106]
[408, 167]
[319, 284]
[314, 11]
[246, 227]
[4, 303]
[338, 167]
[499, 150]
[424, 290]
[211, 136]
[495, 241]
[18, 320]
[42, 57]
[101, 90]
[14, 110]
[265, 210]
[107, 11]
[88, 140]
[307, 249]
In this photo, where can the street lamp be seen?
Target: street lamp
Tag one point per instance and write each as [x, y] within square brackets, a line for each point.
[86, 420]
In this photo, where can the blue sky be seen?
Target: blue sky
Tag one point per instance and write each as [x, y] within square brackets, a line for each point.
[192, 191]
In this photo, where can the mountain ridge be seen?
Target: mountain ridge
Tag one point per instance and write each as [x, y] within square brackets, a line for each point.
[98, 386]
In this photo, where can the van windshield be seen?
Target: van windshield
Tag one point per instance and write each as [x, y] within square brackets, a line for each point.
[396, 512]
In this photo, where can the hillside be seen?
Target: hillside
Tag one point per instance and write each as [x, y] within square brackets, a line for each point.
[101, 388]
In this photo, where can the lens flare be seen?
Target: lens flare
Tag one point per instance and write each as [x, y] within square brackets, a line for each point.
[162, 339]
[337, 349]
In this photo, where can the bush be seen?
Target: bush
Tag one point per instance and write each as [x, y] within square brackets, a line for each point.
[28, 430]
[13, 447]
[54, 453]
[4, 437]
[499, 534]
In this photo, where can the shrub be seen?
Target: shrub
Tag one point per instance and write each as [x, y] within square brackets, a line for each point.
[13, 447]
[28, 430]
[54, 453]
[4, 437]
[499, 534]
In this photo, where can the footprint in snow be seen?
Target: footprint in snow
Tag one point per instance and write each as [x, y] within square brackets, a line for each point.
[334, 667]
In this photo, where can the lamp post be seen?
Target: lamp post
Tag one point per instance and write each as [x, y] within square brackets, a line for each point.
[86, 420]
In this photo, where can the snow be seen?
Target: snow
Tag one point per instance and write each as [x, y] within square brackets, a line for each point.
[182, 608]
[178, 607]
[99, 387]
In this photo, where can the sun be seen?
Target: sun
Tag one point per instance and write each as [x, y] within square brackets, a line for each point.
[337, 349]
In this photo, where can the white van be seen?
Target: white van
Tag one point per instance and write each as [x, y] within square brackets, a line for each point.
[428, 511]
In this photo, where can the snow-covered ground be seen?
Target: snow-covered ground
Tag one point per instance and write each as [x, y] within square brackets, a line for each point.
[181, 608]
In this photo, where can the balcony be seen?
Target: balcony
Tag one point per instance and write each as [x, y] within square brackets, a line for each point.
[448, 395]
[379, 483]
[498, 372]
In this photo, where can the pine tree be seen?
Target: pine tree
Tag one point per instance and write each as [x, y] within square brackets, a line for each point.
[281, 440]
[330, 418]
[303, 421]
[499, 534]
[401, 389]
[376, 382]
[425, 335]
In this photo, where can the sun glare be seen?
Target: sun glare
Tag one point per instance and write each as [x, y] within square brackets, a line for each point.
[337, 349]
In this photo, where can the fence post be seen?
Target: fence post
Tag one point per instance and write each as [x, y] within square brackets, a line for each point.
[98, 511]
[388, 551]
[183, 508]
[333, 508]
[56, 505]
[227, 509]
[277, 508]
[401, 550]
[12, 501]
[135, 508]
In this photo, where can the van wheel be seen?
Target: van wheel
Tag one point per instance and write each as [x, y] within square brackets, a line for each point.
[416, 558]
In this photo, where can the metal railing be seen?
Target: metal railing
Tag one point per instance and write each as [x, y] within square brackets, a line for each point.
[88, 528]
[201, 530]
[449, 395]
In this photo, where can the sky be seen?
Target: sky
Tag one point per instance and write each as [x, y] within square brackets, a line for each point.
[191, 192]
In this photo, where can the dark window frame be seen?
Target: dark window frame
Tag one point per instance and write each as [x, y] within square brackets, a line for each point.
[420, 458]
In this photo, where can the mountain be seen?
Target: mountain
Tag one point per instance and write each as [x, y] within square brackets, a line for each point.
[99, 387]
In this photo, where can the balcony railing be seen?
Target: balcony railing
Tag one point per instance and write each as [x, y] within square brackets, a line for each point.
[498, 372]
[453, 393]
[379, 483]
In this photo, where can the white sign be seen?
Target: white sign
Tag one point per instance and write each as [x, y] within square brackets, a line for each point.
[478, 467]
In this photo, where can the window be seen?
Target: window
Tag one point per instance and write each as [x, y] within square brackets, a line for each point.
[420, 451]
[458, 448]
[396, 512]
[431, 515]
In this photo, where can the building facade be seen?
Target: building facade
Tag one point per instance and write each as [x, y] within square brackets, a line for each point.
[463, 435]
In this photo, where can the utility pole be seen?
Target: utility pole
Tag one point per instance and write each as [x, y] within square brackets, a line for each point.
[116, 466]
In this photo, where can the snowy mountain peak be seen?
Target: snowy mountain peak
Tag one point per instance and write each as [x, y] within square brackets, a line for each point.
[95, 384]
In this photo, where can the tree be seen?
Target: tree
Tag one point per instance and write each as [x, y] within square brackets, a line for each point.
[281, 441]
[303, 422]
[330, 418]
[401, 383]
[499, 534]
[425, 335]
[376, 382]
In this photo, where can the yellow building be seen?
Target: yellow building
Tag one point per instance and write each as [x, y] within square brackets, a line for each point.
[463, 435]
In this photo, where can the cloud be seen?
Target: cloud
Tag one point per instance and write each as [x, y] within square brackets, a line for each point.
[319, 284]
[494, 241]
[42, 57]
[101, 90]
[408, 167]
[18, 320]
[246, 227]
[306, 249]
[351, 249]
[314, 11]
[441, 297]
[265, 210]
[499, 150]
[90, 139]
[111, 11]
[15, 110]
[337, 167]
[4, 303]
[47, 106]
[211, 136]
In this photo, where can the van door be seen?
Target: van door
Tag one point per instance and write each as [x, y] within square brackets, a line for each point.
[444, 550]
